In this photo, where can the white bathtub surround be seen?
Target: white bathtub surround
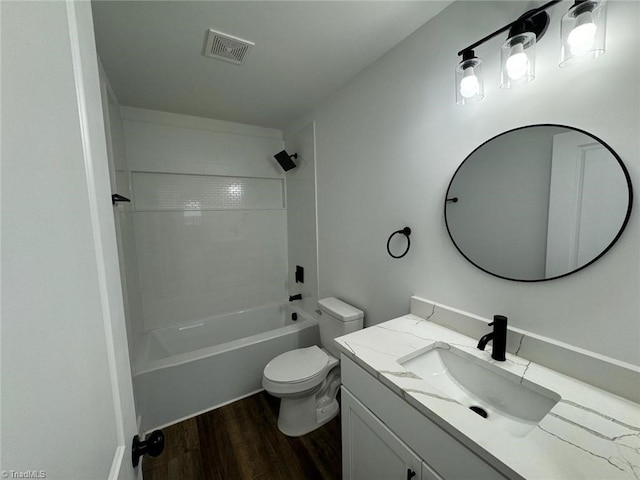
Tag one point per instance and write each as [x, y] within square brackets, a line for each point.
[197, 264]
[589, 433]
[301, 217]
[208, 217]
[206, 234]
[194, 367]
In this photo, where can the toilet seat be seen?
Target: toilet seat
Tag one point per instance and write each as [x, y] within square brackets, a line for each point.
[298, 370]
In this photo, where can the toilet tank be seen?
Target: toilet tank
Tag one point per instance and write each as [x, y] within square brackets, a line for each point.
[338, 318]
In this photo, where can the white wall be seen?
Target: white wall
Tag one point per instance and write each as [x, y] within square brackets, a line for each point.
[388, 143]
[206, 242]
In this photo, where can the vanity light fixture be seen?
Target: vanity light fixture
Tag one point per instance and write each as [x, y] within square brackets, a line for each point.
[518, 60]
[583, 30]
[469, 81]
[583, 34]
[518, 56]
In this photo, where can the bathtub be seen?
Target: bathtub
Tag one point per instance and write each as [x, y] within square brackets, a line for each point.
[181, 371]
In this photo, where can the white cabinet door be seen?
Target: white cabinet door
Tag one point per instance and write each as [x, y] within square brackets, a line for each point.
[400, 421]
[370, 451]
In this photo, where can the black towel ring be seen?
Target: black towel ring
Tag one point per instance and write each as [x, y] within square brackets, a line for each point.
[406, 231]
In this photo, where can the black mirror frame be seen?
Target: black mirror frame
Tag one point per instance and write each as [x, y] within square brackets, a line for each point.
[615, 239]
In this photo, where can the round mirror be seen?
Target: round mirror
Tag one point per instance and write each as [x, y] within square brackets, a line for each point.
[538, 202]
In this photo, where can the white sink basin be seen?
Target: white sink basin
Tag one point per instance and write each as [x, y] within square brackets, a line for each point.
[514, 404]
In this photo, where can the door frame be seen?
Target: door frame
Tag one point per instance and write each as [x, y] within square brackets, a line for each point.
[94, 142]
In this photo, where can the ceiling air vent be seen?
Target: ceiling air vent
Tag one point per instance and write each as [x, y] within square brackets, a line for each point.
[227, 48]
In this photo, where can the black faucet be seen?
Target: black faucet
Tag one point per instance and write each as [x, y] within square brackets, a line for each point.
[295, 297]
[499, 337]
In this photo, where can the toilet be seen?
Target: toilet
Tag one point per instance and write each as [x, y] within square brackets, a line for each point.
[307, 380]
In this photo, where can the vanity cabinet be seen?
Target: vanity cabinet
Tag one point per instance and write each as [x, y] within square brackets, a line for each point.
[371, 451]
[385, 438]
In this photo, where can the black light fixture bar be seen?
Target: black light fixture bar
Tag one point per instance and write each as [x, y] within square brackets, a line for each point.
[528, 15]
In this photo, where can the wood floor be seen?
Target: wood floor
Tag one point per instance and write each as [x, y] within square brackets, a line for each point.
[241, 441]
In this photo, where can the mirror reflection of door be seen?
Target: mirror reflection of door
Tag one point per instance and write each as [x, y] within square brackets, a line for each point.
[587, 201]
[538, 202]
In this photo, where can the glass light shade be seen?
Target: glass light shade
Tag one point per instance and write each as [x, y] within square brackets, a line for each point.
[583, 30]
[518, 60]
[469, 81]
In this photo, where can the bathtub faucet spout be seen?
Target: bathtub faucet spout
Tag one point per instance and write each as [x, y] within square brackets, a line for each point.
[295, 297]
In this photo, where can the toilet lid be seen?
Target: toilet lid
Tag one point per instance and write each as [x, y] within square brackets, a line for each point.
[296, 365]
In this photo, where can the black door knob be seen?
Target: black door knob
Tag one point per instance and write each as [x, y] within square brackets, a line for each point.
[153, 446]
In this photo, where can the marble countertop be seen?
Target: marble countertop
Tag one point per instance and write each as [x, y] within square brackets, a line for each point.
[589, 433]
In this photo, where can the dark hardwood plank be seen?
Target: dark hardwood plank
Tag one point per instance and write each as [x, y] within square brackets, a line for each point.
[181, 457]
[242, 441]
[325, 453]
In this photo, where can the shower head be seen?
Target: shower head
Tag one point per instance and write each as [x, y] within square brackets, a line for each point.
[284, 159]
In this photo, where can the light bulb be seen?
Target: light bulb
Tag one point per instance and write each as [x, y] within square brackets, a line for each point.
[469, 85]
[583, 36]
[517, 63]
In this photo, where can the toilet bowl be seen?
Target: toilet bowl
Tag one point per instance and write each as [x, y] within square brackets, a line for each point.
[307, 380]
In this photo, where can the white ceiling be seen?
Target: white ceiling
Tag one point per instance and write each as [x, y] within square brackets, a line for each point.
[304, 51]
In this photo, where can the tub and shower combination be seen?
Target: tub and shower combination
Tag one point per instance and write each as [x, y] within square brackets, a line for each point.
[188, 369]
